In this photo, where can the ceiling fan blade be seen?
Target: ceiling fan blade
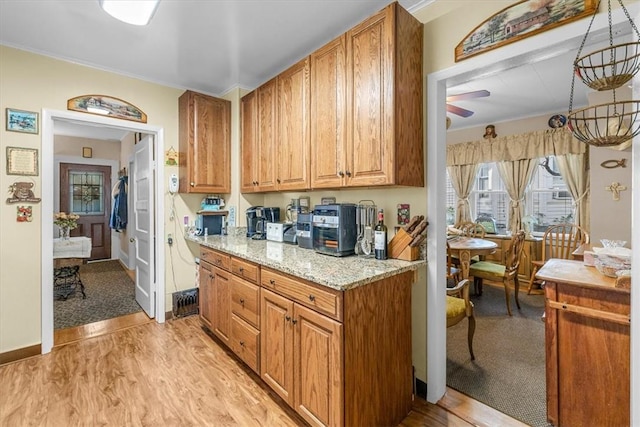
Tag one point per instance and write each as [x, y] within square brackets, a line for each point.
[468, 95]
[459, 111]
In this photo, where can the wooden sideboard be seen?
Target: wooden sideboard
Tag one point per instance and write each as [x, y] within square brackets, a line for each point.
[587, 346]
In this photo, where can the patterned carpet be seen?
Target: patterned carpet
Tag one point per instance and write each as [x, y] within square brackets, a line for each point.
[110, 293]
[509, 371]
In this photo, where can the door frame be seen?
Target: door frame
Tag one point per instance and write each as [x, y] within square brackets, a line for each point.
[533, 49]
[115, 166]
[49, 117]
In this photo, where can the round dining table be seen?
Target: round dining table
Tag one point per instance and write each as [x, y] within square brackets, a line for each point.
[467, 247]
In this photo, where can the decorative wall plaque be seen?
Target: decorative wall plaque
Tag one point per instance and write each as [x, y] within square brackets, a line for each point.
[22, 161]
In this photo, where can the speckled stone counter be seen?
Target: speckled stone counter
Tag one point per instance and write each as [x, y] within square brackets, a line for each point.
[340, 273]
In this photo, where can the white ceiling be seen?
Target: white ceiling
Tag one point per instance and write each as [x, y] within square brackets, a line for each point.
[212, 46]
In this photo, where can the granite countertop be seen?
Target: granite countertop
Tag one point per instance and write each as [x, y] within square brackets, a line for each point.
[339, 273]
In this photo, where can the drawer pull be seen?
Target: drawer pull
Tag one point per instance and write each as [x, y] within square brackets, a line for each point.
[242, 270]
[242, 301]
[312, 298]
[272, 282]
[242, 343]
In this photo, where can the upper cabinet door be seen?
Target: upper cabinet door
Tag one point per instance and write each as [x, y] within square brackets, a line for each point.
[370, 48]
[293, 128]
[267, 134]
[328, 127]
[204, 143]
[249, 142]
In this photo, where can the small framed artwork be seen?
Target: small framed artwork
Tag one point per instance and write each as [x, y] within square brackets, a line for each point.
[22, 161]
[87, 152]
[22, 121]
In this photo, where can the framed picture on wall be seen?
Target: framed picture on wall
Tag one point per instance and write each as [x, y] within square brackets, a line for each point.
[22, 121]
[22, 161]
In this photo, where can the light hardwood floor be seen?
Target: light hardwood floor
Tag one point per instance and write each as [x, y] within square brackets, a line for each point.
[172, 374]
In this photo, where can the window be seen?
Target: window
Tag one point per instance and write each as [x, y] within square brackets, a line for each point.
[86, 191]
[547, 200]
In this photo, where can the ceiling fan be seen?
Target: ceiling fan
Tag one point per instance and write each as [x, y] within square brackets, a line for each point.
[462, 112]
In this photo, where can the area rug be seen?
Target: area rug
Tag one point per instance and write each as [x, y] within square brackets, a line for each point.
[509, 371]
[110, 293]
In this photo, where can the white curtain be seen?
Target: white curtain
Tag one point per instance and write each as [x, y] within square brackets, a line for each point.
[462, 179]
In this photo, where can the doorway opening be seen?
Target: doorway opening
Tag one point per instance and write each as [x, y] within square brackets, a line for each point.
[155, 180]
[526, 51]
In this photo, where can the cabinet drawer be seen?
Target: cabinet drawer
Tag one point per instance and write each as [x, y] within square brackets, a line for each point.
[245, 269]
[245, 341]
[323, 300]
[245, 300]
[216, 258]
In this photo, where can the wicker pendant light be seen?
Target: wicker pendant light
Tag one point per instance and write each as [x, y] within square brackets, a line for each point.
[607, 69]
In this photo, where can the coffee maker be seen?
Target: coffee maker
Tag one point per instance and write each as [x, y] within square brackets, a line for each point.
[257, 218]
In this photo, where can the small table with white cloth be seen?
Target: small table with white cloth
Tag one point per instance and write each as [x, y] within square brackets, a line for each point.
[68, 255]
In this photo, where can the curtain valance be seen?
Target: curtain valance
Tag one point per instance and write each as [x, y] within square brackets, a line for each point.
[530, 145]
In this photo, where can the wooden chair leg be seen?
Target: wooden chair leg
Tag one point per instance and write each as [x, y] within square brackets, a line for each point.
[516, 285]
[507, 296]
[533, 279]
[477, 285]
[472, 330]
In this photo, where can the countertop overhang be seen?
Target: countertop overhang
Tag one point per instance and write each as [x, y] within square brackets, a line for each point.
[340, 273]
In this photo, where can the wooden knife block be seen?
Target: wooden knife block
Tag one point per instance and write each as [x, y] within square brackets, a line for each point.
[399, 248]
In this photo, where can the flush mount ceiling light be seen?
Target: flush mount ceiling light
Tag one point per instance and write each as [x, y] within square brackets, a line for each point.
[135, 12]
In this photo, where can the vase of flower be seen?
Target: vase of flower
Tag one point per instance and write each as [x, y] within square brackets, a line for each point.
[65, 233]
[66, 223]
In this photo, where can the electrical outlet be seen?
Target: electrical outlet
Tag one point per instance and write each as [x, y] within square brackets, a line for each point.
[170, 240]
[231, 219]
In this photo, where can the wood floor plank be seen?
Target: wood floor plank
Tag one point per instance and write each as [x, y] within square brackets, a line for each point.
[168, 374]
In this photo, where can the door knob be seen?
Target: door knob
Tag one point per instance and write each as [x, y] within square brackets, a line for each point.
[132, 240]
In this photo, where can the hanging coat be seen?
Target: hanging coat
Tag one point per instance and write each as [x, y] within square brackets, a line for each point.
[118, 221]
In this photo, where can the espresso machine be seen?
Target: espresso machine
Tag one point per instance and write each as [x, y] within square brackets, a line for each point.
[257, 219]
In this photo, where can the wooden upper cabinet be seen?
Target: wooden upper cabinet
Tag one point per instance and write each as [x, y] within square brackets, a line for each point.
[267, 135]
[249, 142]
[384, 100]
[204, 143]
[328, 127]
[293, 128]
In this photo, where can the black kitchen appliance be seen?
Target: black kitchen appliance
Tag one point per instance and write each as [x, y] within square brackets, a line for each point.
[257, 219]
[334, 229]
[210, 222]
[303, 230]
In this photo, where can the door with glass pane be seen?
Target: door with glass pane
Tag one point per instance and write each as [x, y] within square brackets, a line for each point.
[86, 190]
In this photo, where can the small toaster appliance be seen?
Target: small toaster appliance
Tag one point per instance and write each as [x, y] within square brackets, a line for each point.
[334, 229]
[275, 231]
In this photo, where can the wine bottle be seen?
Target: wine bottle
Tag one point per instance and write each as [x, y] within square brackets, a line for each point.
[380, 237]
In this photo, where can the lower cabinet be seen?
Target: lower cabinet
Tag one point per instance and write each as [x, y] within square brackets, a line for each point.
[302, 359]
[339, 358]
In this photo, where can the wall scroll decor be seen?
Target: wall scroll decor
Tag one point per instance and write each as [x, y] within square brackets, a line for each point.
[22, 161]
[521, 20]
[171, 157]
[612, 164]
[109, 106]
[22, 192]
[22, 121]
[615, 188]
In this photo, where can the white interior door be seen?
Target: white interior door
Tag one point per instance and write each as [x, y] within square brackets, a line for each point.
[143, 211]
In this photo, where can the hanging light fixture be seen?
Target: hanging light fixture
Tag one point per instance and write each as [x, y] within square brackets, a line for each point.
[606, 69]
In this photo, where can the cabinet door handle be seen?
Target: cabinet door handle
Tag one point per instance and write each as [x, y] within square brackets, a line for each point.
[294, 321]
[211, 276]
[278, 180]
[193, 184]
[341, 173]
[287, 318]
[348, 174]
[312, 297]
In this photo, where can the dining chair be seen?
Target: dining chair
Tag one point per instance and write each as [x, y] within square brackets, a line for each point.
[507, 273]
[459, 307]
[558, 241]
